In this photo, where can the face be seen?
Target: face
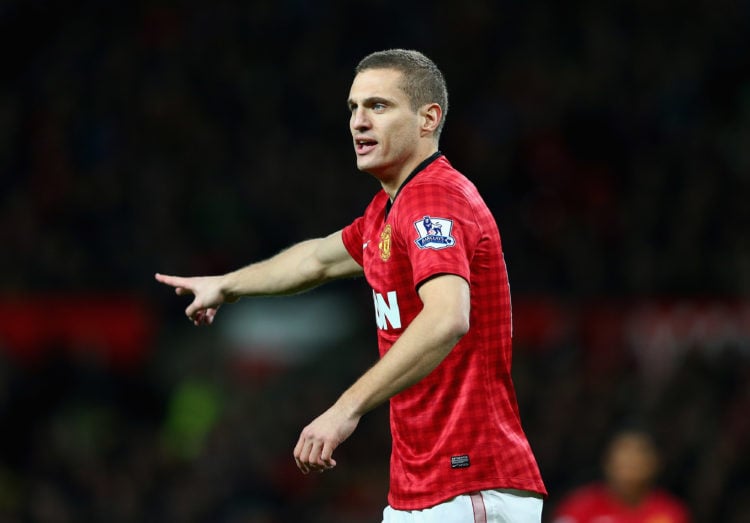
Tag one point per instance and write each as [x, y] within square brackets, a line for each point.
[631, 462]
[385, 130]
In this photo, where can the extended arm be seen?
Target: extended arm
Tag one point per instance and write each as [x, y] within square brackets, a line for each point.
[429, 338]
[296, 269]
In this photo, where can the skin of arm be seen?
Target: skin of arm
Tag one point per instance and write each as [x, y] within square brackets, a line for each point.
[301, 267]
[441, 323]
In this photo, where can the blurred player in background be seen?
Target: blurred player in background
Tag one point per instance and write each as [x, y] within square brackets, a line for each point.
[628, 494]
[430, 249]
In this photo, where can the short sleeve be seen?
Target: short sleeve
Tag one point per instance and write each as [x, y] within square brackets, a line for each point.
[440, 232]
[352, 238]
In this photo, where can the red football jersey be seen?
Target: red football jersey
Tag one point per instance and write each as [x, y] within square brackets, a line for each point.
[595, 503]
[458, 429]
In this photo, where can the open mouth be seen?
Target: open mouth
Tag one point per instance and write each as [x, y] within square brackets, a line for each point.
[364, 145]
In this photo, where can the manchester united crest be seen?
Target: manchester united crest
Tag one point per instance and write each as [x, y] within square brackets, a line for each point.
[385, 243]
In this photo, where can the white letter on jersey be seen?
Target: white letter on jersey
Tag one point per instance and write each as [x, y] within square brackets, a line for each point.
[386, 310]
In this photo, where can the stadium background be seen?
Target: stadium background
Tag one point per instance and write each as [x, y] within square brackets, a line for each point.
[611, 139]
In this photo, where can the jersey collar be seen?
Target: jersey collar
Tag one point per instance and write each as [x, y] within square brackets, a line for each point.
[419, 168]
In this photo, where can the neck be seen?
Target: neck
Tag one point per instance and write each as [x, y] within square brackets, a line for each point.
[631, 495]
[391, 185]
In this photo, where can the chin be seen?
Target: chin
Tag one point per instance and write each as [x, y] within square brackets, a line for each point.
[367, 167]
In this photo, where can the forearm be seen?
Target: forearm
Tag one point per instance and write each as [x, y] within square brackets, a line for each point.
[278, 275]
[407, 362]
[419, 350]
[428, 339]
[300, 267]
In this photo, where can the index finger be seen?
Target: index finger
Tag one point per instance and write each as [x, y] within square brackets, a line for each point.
[174, 281]
[326, 456]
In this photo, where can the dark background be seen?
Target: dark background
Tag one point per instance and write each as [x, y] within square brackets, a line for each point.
[610, 139]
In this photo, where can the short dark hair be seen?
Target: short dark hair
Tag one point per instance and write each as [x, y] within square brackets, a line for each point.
[423, 82]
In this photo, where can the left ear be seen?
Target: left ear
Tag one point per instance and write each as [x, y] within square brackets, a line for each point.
[431, 115]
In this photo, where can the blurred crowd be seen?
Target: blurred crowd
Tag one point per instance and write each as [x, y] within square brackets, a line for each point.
[609, 138]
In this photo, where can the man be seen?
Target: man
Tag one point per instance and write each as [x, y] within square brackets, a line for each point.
[628, 495]
[431, 252]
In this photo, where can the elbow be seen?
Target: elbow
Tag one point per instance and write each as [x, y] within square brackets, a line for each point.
[446, 328]
[462, 327]
[311, 272]
[447, 307]
[458, 327]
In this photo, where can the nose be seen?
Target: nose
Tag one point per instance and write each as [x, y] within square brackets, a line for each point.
[359, 120]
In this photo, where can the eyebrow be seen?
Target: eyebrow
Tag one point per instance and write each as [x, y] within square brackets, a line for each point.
[369, 101]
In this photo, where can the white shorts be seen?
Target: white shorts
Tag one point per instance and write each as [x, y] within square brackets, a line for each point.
[487, 506]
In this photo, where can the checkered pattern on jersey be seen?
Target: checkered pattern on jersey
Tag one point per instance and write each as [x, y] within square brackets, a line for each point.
[457, 430]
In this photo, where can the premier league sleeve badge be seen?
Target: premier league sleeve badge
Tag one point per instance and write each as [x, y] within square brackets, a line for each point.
[434, 233]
